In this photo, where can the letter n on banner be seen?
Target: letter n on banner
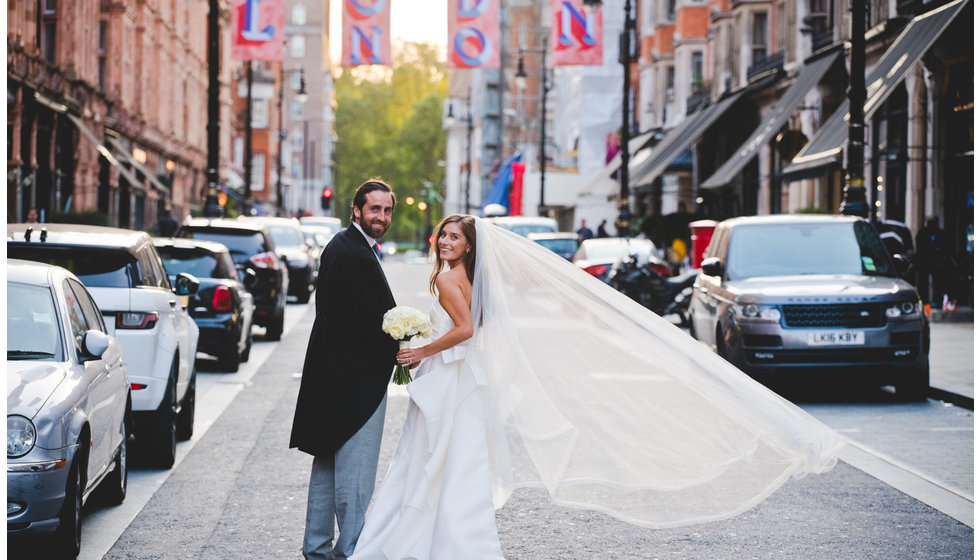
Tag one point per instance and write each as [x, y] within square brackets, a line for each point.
[576, 34]
[474, 34]
[366, 33]
[257, 29]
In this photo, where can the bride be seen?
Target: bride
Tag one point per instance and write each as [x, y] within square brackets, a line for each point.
[541, 376]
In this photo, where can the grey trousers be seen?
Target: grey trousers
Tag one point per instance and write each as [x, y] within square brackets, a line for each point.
[341, 488]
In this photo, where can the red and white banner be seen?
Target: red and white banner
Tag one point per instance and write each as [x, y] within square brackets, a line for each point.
[474, 34]
[257, 29]
[576, 34]
[365, 33]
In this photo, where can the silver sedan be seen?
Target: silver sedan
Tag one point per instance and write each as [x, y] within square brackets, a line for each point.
[68, 405]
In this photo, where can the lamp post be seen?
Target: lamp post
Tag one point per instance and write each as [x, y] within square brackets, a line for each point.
[301, 96]
[520, 79]
[626, 55]
[211, 207]
[855, 201]
[468, 119]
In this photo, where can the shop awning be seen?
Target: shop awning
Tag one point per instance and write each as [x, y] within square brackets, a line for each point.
[125, 154]
[919, 35]
[650, 163]
[134, 183]
[808, 77]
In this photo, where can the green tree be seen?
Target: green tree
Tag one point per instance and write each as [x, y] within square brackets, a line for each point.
[389, 124]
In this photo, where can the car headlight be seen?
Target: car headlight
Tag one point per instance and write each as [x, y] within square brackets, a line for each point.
[906, 309]
[756, 311]
[21, 436]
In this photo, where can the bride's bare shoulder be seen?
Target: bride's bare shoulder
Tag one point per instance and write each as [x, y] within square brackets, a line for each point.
[452, 278]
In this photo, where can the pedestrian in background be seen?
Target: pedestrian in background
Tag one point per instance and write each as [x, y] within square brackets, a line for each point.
[930, 248]
[167, 225]
[601, 230]
[584, 232]
[340, 411]
[31, 215]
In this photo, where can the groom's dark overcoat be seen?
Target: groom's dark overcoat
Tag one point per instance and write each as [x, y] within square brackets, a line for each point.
[349, 359]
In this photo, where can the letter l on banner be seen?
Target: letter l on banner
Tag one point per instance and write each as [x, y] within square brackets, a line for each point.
[257, 29]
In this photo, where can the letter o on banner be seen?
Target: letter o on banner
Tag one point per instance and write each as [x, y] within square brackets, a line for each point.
[468, 36]
[362, 10]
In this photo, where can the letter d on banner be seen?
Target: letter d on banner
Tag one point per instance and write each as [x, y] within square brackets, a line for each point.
[474, 34]
[366, 33]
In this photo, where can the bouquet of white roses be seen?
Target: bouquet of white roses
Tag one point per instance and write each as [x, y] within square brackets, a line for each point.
[403, 323]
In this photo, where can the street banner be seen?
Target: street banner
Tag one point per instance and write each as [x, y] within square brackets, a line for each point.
[517, 189]
[257, 29]
[365, 33]
[474, 34]
[576, 34]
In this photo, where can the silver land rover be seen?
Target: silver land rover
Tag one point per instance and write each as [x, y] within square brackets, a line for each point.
[786, 294]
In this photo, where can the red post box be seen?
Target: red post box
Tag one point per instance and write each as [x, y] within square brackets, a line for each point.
[701, 232]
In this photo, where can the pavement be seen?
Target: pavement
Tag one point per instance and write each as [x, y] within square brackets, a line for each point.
[952, 353]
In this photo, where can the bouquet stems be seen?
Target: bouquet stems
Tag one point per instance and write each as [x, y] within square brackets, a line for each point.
[402, 374]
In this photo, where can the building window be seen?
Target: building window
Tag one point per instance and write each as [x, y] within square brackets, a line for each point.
[819, 16]
[697, 71]
[671, 10]
[760, 31]
[298, 140]
[297, 46]
[49, 26]
[103, 44]
[296, 110]
[299, 14]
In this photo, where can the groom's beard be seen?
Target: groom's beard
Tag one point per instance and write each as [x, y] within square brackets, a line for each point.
[375, 229]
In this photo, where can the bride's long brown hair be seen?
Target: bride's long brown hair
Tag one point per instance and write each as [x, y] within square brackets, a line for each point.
[468, 225]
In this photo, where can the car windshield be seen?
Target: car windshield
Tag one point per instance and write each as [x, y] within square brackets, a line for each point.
[613, 249]
[96, 267]
[806, 248]
[198, 262]
[241, 243]
[285, 236]
[563, 246]
[524, 229]
[32, 324]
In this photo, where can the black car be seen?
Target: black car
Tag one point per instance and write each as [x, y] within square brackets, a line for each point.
[292, 247]
[222, 307]
[252, 248]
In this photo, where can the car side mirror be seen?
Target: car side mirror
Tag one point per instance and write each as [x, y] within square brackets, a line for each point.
[247, 277]
[902, 264]
[712, 266]
[94, 345]
[186, 284]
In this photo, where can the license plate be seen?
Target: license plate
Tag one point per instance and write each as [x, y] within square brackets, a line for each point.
[828, 338]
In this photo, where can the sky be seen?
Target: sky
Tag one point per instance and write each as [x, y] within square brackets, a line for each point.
[420, 21]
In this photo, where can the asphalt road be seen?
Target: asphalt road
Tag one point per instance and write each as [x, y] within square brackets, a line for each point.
[238, 492]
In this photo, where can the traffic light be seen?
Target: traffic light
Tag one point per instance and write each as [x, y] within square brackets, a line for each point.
[325, 198]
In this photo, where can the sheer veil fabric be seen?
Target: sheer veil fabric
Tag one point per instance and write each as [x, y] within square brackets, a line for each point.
[611, 408]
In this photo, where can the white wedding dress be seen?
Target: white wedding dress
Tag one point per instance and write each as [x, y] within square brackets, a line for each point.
[570, 386]
[436, 500]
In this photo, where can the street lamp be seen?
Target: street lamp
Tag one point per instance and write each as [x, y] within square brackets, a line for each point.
[855, 201]
[301, 96]
[211, 207]
[468, 119]
[520, 80]
[626, 48]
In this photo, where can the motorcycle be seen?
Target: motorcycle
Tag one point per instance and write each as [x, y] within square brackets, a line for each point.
[650, 285]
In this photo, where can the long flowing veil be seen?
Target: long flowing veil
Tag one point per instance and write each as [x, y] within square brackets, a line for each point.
[611, 408]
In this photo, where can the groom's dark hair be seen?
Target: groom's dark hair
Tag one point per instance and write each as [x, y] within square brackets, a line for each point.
[369, 186]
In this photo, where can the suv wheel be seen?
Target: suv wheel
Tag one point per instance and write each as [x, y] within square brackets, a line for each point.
[274, 330]
[162, 433]
[229, 359]
[115, 483]
[913, 385]
[185, 419]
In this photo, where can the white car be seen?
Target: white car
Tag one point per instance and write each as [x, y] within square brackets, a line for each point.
[123, 272]
[68, 405]
[334, 224]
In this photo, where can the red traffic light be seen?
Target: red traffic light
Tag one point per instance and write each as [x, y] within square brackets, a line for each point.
[327, 192]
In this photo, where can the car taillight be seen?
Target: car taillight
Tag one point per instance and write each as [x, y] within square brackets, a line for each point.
[659, 269]
[136, 320]
[596, 269]
[264, 260]
[222, 299]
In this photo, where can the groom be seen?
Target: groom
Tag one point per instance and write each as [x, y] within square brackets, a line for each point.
[341, 407]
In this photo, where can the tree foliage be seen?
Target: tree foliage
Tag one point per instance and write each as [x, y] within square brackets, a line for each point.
[389, 125]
